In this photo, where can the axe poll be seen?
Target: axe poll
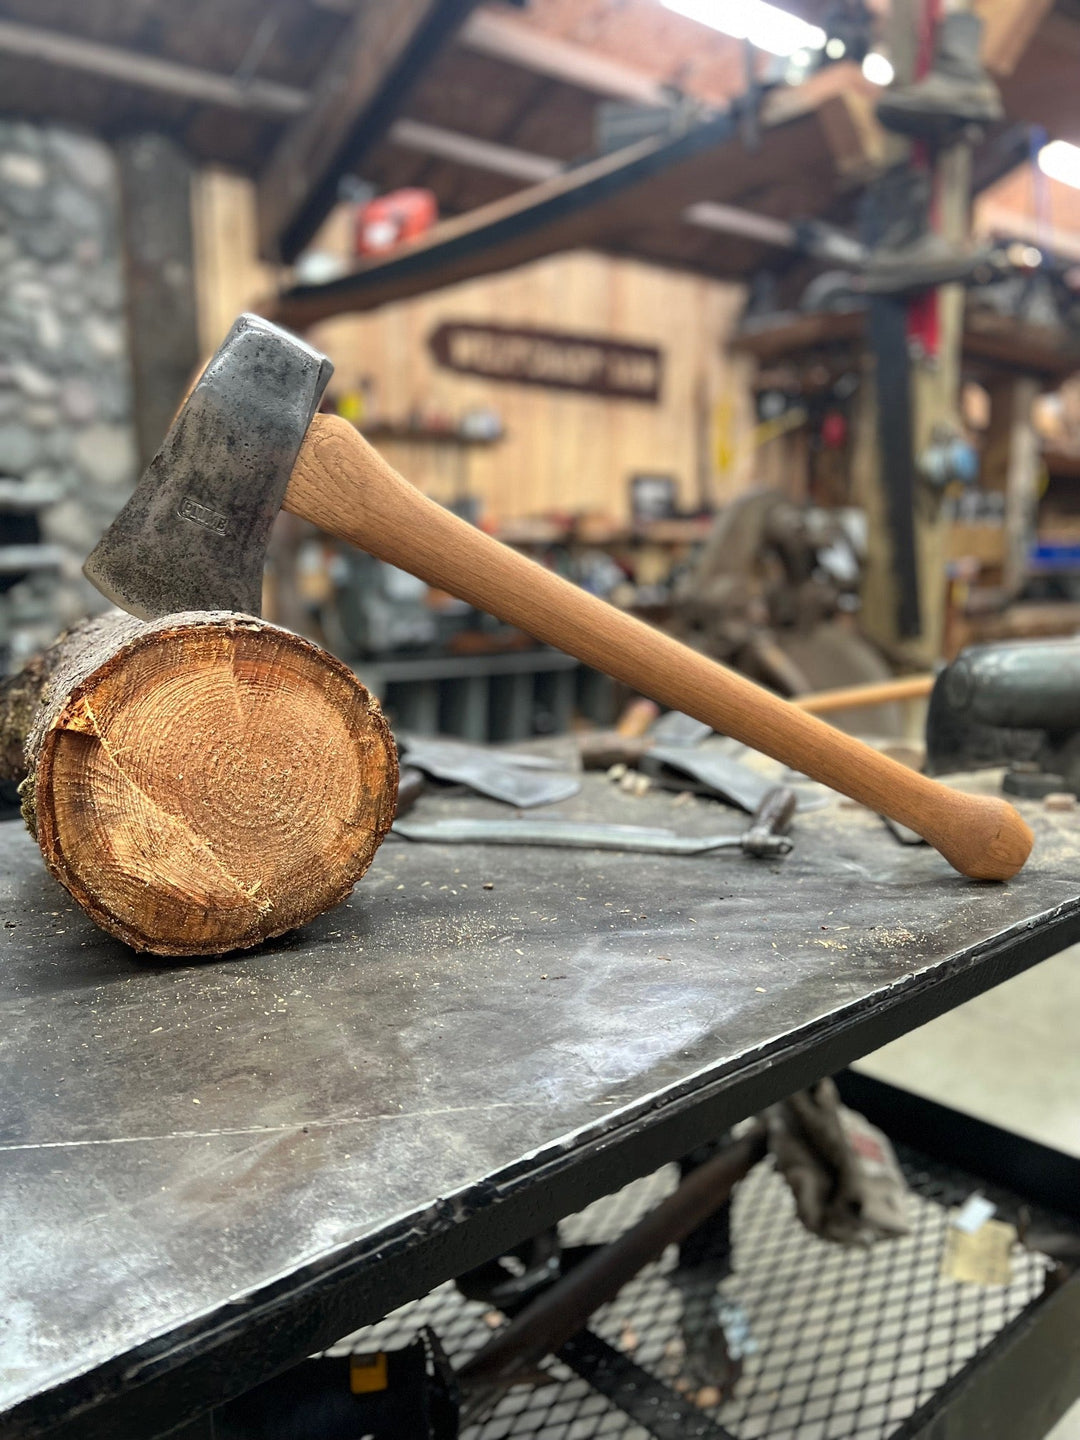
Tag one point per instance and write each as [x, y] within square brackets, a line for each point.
[248, 441]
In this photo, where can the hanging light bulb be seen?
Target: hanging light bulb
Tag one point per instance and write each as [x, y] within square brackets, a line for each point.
[1061, 161]
[765, 26]
[878, 68]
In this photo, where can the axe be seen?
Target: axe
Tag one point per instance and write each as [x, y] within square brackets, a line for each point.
[248, 441]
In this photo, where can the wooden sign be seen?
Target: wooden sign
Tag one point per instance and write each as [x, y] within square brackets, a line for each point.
[557, 359]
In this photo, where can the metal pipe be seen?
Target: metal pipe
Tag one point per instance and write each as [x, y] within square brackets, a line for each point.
[561, 1311]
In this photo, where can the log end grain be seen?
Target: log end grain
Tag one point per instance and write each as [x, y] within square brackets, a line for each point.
[212, 783]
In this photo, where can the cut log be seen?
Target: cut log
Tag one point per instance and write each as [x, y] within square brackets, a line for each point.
[202, 782]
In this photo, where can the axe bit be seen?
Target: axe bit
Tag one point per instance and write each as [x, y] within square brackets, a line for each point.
[247, 441]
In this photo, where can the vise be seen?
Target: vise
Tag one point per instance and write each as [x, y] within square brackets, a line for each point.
[1015, 705]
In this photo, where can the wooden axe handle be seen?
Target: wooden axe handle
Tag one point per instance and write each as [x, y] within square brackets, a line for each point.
[878, 692]
[346, 488]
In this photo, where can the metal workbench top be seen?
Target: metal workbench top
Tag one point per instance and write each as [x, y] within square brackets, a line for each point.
[209, 1169]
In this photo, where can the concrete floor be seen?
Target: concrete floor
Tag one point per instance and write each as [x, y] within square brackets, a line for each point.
[1010, 1057]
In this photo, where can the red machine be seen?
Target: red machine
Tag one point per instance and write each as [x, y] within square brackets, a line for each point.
[392, 220]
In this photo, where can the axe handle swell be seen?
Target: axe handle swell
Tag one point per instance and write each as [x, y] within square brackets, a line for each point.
[344, 486]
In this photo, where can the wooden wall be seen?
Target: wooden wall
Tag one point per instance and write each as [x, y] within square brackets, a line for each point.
[563, 451]
[230, 276]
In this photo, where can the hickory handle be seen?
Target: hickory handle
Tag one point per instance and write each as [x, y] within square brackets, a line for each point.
[346, 488]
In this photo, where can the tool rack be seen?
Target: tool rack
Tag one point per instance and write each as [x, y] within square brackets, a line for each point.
[212, 1170]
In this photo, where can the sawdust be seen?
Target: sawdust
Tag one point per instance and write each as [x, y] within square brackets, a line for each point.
[898, 936]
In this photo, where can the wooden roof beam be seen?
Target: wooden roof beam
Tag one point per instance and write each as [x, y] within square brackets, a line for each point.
[133, 67]
[1041, 90]
[597, 204]
[384, 50]
[1009, 28]
[733, 220]
[473, 152]
[476, 154]
[571, 209]
[516, 42]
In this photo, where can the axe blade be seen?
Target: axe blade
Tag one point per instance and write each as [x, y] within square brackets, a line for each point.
[193, 535]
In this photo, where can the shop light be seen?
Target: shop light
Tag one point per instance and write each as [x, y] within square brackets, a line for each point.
[878, 68]
[766, 26]
[1061, 161]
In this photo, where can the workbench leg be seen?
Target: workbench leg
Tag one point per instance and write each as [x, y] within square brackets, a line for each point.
[414, 705]
[512, 707]
[465, 708]
[710, 1243]
[596, 696]
[705, 1261]
[555, 700]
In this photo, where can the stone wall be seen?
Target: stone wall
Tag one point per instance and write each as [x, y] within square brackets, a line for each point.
[67, 453]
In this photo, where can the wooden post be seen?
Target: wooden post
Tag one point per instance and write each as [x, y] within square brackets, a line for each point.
[877, 618]
[155, 182]
[903, 30]
[1021, 482]
[936, 403]
[880, 587]
[935, 397]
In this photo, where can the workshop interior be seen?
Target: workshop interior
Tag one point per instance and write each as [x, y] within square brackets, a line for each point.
[539, 719]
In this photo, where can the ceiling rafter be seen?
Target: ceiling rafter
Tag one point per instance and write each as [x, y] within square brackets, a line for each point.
[379, 58]
[147, 72]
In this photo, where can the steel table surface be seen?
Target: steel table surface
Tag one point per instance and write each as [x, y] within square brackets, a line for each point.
[209, 1169]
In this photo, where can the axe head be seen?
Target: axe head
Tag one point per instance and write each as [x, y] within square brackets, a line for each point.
[193, 535]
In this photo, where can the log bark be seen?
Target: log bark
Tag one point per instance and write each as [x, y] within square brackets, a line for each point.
[199, 783]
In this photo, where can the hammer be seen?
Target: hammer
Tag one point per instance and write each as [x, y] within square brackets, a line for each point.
[249, 441]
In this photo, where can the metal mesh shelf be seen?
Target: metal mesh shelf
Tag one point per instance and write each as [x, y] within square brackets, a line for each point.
[850, 1343]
